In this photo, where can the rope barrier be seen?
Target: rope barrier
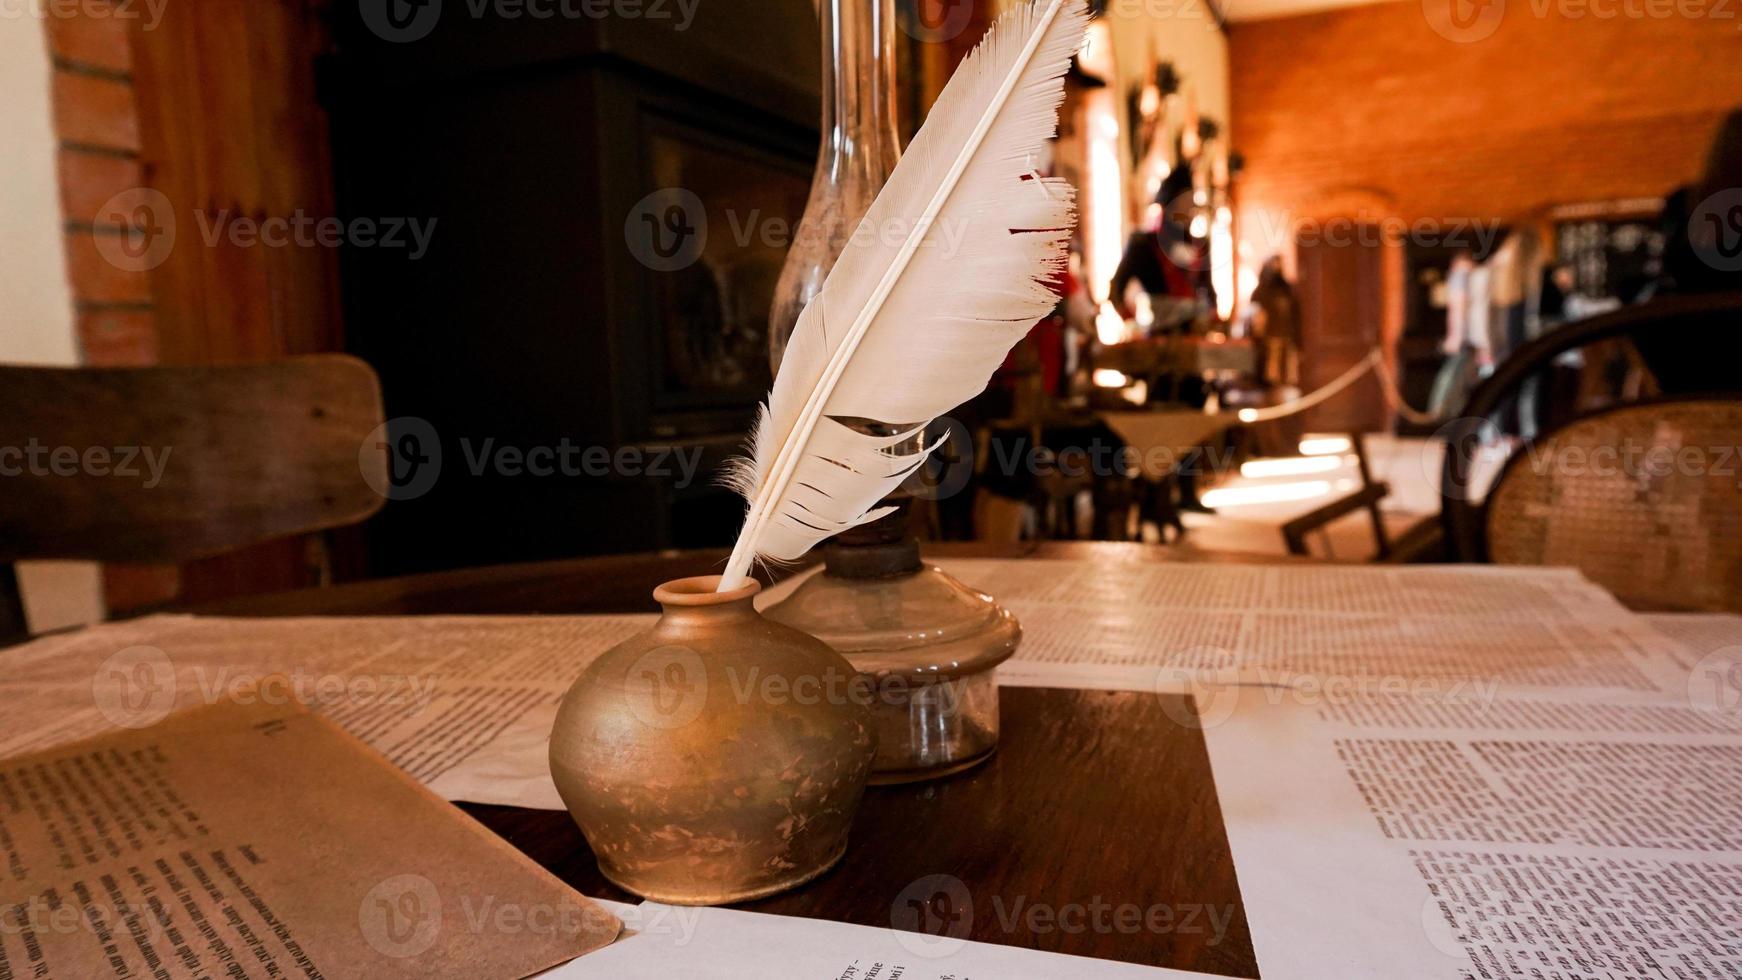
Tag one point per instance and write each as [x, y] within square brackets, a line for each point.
[1375, 362]
[1297, 405]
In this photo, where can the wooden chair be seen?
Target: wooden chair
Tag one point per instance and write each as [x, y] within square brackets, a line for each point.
[1657, 538]
[171, 464]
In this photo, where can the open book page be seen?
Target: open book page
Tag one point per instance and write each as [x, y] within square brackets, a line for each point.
[661, 942]
[147, 853]
[1711, 653]
[1165, 627]
[462, 703]
[465, 703]
[1573, 839]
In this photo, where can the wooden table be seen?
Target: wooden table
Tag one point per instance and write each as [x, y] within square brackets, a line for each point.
[1094, 830]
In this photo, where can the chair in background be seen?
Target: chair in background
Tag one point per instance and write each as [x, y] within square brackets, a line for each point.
[1644, 498]
[243, 455]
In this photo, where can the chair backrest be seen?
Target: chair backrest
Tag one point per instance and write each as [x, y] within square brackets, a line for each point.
[1645, 499]
[172, 464]
[1671, 332]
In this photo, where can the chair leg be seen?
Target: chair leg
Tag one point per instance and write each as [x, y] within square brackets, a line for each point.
[12, 625]
[1382, 541]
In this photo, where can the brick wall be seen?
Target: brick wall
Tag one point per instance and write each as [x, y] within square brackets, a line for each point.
[1549, 108]
[1390, 114]
[97, 121]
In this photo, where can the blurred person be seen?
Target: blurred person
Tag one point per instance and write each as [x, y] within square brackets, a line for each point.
[1168, 262]
[1702, 225]
[1273, 324]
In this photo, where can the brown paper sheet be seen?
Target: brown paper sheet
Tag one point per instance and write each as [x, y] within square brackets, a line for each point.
[262, 841]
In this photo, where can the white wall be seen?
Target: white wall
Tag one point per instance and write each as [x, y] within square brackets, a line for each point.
[36, 307]
[1181, 31]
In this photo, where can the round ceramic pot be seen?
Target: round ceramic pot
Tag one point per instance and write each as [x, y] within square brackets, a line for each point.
[717, 757]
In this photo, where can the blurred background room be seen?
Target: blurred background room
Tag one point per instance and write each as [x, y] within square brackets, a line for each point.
[565, 243]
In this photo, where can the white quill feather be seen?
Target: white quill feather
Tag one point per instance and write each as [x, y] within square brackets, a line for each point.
[945, 273]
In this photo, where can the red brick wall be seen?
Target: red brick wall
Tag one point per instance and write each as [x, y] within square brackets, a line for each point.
[1548, 109]
[97, 120]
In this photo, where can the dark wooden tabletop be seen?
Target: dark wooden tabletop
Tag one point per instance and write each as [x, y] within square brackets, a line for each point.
[1094, 830]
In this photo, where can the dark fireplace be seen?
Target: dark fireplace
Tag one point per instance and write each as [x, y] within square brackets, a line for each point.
[585, 333]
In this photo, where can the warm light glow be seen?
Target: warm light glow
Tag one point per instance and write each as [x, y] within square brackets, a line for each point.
[1325, 445]
[1249, 415]
[1222, 262]
[1200, 225]
[1103, 207]
[1258, 469]
[1109, 325]
[1248, 282]
[1109, 378]
[1273, 493]
[1143, 311]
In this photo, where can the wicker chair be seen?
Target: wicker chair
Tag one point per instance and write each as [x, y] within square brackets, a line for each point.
[1644, 498]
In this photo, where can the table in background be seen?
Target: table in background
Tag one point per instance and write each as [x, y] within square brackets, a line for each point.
[1094, 801]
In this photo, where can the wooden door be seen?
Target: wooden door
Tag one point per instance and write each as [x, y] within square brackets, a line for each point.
[230, 130]
[1341, 288]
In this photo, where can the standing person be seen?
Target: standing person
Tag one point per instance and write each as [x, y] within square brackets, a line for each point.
[1273, 323]
[1451, 386]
